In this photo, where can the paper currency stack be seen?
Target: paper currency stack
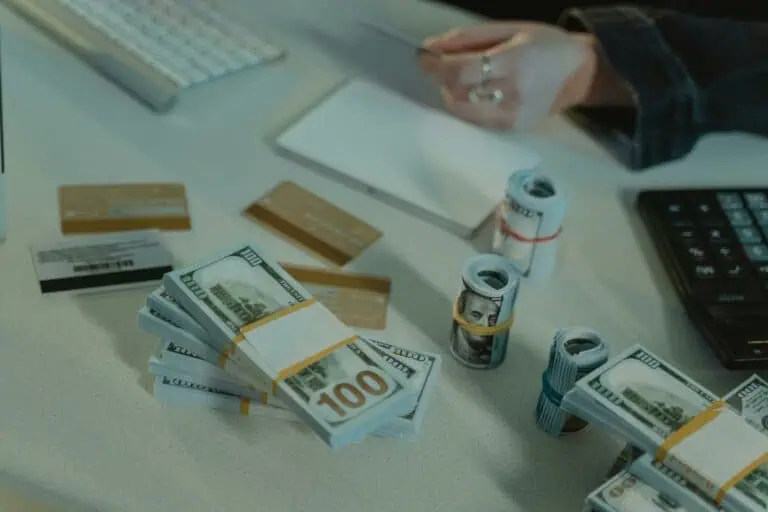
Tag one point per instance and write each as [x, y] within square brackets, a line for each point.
[238, 333]
[701, 453]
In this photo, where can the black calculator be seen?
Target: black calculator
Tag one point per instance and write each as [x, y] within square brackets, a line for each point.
[714, 245]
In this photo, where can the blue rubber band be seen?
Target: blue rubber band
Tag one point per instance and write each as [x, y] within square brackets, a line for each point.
[549, 392]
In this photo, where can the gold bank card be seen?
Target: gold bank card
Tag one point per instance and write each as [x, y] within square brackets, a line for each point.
[358, 300]
[313, 223]
[123, 207]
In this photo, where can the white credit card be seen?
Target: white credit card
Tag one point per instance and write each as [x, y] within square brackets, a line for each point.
[101, 262]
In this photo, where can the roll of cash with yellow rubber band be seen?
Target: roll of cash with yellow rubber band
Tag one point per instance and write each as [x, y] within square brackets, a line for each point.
[484, 311]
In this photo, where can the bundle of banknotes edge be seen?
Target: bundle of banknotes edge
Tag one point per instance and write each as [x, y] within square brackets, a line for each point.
[239, 333]
[689, 437]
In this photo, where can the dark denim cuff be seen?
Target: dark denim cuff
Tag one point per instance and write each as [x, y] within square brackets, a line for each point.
[668, 117]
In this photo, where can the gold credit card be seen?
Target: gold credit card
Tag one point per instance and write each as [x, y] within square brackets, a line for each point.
[313, 223]
[358, 300]
[123, 207]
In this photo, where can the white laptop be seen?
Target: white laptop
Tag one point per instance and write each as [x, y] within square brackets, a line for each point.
[416, 158]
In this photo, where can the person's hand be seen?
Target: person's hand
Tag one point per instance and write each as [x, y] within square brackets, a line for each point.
[531, 70]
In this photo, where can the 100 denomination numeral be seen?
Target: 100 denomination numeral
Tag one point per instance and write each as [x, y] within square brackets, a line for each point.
[347, 396]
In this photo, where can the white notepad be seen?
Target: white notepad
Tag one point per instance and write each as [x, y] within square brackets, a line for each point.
[419, 159]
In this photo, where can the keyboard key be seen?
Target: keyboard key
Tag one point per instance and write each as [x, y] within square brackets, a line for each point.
[705, 271]
[761, 216]
[757, 252]
[695, 252]
[739, 217]
[730, 200]
[749, 235]
[686, 234]
[717, 236]
[735, 271]
[676, 214]
[756, 200]
[726, 252]
[707, 212]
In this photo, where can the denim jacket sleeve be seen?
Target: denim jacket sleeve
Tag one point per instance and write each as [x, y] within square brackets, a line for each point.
[690, 75]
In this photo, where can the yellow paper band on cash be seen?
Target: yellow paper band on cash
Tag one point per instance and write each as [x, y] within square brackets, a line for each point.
[715, 450]
[481, 330]
[289, 340]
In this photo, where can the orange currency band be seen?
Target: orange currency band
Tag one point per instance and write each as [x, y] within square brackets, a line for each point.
[520, 238]
[697, 423]
[245, 406]
[481, 330]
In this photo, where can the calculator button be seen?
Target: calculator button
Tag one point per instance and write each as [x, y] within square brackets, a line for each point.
[762, 270]
[686, 234]
[695, 252]
[708, 213]
[734, 271]
[730, 200]
[756, 200]
[749, 235]
[704, 271]
[725, 252]
[739, 217]
[677, 215]
[761, 216]
[757, 252]
[717, 236]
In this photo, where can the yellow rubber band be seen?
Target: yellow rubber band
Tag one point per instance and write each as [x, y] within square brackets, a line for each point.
[481, 330]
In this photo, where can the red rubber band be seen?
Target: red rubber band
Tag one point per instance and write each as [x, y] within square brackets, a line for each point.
[508, 231]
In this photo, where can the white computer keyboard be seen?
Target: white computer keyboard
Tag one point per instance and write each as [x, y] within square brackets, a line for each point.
[183, 42]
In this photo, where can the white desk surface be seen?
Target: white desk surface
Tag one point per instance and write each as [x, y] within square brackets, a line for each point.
[78, 425]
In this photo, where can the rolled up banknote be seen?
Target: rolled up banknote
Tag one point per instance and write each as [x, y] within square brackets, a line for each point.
[318, 367]
[484, 311]
[529, 223]
[648, 402]
[626, 492]
[575, 352]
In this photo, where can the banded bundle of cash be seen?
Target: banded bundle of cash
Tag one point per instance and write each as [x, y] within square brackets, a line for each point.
[702, 453]
[239, 333]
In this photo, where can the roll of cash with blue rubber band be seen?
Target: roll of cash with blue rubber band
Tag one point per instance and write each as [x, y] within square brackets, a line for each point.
[529, 223]
[574, 353]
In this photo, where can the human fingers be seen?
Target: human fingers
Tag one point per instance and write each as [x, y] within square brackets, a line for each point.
[467, 69]
[504, 89]
[485, 114]
[472, 39]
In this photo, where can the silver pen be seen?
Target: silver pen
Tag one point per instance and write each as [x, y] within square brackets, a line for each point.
[399, 37]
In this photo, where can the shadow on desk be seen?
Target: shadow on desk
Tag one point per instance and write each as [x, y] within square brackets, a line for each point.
[19, 495]
[116, 313]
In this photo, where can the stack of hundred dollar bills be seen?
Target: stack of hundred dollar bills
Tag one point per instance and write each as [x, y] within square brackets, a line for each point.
[238, 333]
[650, 404]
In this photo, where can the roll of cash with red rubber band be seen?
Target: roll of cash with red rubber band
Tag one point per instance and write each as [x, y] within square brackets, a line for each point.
[529, 223]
